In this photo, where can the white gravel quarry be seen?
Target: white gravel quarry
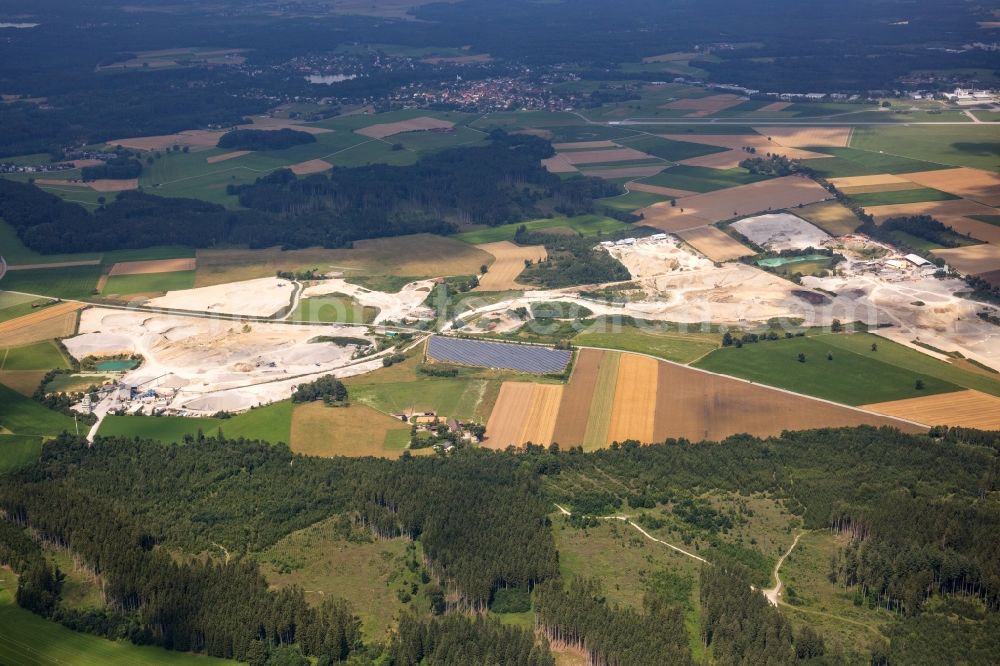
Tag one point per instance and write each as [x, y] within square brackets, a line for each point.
[781, 231]
[262, 297]
[215, 364]
[649, 257]
[405, 304]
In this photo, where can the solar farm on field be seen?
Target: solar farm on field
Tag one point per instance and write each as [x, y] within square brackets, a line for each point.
[500, 355]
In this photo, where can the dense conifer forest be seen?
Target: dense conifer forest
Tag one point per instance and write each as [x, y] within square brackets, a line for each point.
[920, 512]
[494, 184]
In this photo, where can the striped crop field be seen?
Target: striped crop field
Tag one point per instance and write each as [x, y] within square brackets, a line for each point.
[618, 396]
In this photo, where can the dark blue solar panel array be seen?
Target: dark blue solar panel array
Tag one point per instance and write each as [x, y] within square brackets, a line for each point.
[524, 358]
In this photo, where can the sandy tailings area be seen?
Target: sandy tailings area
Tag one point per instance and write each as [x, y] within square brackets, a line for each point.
[729, 294]
[262, 297]
[781, 231]
[655, 257]
[407, 303]
[206, 365]
[944, 321]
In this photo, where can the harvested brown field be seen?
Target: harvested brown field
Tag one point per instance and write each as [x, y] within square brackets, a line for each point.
[79, 164]
[863, 181]
[152, 266]
[24, 382]
[509, 416]
[975, 184]
[602, 156]
[967, 409]
[736, 143]
[634, 409]
[310, 166]
[190, 138]
[628, 172]
[773, 107]
[832, 217]
[715, 244]
[993, 277]
[808, 137]
[584, 145]
[540, 425]
[53, 321]
[698, 405]
[358, 430]
[865, 189]
[636, 186]
[670, 219]
[418, 255]
[268, 123]
[571, 425]
[705, 106]
[103, 185]
[727, 160]
[774, 194]
[215, 159]
[423, 123]
[558, 164]
[108, 185]
[973, 259]
[509, 264]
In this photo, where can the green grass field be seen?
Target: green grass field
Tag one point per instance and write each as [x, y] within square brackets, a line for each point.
[13, 306]
[20, 415]
[66, 282]
[39, 356]
[957, 145]
[671, 345]
[28, 640]
[585, 225]
[673, 151]
[599, 419]
[810, 598]
[455, 398]
[632, 201]
[914, 361]
[333, 309]
[271, 423]
[702, 179]
[368, 575]
[148, 283]
[17, 451]
[855, 376]
[856, 162]
[72, 383]
[901, 197]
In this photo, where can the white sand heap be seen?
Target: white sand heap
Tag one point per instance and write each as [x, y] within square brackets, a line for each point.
[781, 231]
[392, 307]
[194, 358]
[650, 257]
[262, 297]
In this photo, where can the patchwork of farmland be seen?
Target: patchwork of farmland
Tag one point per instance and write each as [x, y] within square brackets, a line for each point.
[614, 396]
[499, 355]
